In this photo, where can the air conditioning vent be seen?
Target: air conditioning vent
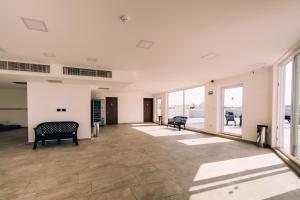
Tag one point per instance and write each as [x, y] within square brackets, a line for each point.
[86, 72]
[24, 67]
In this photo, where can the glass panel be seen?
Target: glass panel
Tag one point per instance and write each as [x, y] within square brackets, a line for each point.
[158, 109]
[233, 104]
[286, 139]
[175, 104]
[194, 107]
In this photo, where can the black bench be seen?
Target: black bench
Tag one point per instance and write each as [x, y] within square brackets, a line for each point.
[55, 130]
[177, 121]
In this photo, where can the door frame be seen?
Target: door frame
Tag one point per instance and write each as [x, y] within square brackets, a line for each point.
[222, 108]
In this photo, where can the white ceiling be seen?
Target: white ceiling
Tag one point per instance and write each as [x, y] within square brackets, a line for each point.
[241, 32]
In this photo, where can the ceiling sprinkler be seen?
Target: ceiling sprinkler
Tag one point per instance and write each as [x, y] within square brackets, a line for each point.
[124, 18]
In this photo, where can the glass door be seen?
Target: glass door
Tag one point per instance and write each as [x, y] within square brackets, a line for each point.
[233, 110]
[286, 123]
[158, 109]
[289, 103]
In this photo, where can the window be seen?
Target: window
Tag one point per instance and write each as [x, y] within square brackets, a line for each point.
[194, 107]
[286, 139]
[189, 103]
[175, 104]
[288, 107]
[158, 109]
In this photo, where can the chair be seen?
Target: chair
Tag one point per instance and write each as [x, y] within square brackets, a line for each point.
[230, 117]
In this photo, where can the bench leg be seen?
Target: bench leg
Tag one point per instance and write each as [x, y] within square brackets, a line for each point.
[75, 140]
[34, 144]
[43, 142]
[58, 141]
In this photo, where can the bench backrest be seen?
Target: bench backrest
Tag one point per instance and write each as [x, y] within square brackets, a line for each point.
[180, 119]
[57, 127]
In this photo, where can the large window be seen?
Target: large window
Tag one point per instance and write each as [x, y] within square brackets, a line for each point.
[289, 99]
[175, 104]
[158, 109]
[194, 107]
[189, 103]
[286, 139]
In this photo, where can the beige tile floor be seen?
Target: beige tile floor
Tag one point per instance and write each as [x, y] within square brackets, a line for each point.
[142, 161]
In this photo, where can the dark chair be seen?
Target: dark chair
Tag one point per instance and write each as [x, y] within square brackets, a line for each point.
[56, 130]
[177, 121]
[288, 118]
[230, 117]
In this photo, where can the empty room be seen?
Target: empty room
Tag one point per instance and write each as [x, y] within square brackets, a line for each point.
[149, 100]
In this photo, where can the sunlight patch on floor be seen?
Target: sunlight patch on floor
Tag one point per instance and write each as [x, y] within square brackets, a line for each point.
[258, 189]
[227, 167]
[160, 131]
[239, 178]
[209, 140]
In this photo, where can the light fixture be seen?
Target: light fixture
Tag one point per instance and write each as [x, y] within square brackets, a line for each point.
[54, 81]
[34, 24]
[49, 55]
[210, 56]
[145, 44]
[90, 59]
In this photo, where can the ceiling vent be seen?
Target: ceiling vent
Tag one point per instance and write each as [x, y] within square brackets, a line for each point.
[144, 44]
[54, 81]
[20, 83]
[86, 72]
[24, 67]
[35, 25]
[103, 88]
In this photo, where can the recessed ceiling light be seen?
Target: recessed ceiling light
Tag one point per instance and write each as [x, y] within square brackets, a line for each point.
[54, 81]
[48, 54]
[103, 88]
[210, 56]
[34, 24]
[145, 44]
[90, 59]
[2, 50]
[20, 83]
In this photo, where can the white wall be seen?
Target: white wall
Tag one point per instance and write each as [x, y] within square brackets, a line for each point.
[45, 98]
[257, 102]
[130, 105]
[15, 101]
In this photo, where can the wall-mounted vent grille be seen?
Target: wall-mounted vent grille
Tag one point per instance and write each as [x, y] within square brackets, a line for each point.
[86, 72]
[24, 67]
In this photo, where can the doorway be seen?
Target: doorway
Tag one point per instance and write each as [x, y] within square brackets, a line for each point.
[148, 109]
[111, 110]
[232, 114]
